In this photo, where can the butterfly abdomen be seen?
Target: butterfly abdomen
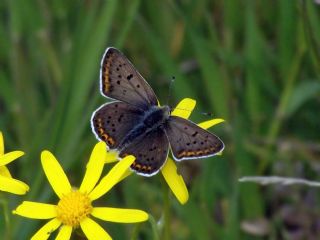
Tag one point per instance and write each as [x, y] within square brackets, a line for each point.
[135, 133]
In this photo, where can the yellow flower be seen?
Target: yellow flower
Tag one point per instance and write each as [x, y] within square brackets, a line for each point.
[169, 169]
[7, 183]
[75, 208]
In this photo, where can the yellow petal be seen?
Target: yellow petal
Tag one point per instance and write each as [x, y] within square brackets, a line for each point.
[210, 123]
[36, 210]
[1, 144]
[127, 173]
[55, 174]
[64, 233]
[184, 108]
[12, 185]
[45, 232]
[94, 167]
[9, 157]
[120, 215]
[112, 156]
[175, 181]
[4, 171]
[93, 230]
[112, 178]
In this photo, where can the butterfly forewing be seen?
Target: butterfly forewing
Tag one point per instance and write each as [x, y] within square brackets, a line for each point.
[121, 81]
[188, 141]
[112, 121]
[150, 150]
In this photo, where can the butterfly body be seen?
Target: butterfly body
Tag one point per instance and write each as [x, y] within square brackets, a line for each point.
[150, 121]
[157, 116]
[134, 124]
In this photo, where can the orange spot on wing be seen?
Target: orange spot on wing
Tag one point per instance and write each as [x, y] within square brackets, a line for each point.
[124, 155]
[110, 141]
[190, 154]
[181, 154]
[106, 74]
[104, 135]
[196, 153]
[200, 152]
[138, 166]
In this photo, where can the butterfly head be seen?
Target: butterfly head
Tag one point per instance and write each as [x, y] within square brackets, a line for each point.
[166, 111]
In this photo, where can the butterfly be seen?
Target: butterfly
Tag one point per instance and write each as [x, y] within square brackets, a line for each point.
[134, 123]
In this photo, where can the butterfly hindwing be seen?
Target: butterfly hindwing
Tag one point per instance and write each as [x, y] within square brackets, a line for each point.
[150, 150]
[121, 81]
[112, 121]
[188, 141]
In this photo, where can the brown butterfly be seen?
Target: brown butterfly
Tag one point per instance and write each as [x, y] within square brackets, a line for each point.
[134, 124]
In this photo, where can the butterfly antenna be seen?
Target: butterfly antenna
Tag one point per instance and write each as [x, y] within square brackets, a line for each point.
[173, 78]
[209, 114]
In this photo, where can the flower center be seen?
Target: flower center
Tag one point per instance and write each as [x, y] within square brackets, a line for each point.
[73, 208]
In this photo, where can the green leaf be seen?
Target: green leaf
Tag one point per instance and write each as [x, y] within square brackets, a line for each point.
[301, 94]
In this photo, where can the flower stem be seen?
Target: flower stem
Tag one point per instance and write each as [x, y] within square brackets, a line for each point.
[4, 203]
[135, 232]
[166, 212]
[156, 235]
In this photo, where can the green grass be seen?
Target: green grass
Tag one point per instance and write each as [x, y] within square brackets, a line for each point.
[254, 63]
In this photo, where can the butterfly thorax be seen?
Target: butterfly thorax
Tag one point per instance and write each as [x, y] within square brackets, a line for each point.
[154, 118]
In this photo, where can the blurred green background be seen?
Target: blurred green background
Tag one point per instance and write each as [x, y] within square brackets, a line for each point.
[254, 63]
